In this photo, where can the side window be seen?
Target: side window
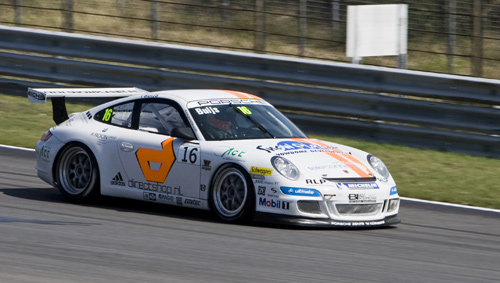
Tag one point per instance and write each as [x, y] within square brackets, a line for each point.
[159, 118]
[119, 115]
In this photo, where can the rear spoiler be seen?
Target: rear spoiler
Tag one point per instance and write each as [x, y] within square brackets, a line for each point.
[59, 112]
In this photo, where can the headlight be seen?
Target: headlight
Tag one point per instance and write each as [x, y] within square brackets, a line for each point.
[378, 165]
[285, 167]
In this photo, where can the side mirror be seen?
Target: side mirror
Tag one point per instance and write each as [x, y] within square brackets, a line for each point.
[185, 133]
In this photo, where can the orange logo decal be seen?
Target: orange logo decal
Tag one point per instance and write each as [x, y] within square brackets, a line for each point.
[164, 157]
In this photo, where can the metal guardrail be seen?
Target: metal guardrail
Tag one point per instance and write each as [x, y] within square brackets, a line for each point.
[420, 109]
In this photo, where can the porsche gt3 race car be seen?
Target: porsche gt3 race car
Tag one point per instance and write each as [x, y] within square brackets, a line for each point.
[226, 151]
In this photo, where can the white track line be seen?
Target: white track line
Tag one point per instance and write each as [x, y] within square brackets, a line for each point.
[452, 205]
[16, 147]
[403, 198]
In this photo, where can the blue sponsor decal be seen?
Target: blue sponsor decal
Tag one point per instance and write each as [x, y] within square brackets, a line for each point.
[296, 145]
[394, 190]
[370, 185]
[300, 192]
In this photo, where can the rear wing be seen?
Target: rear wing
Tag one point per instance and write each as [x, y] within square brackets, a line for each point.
[59, 112]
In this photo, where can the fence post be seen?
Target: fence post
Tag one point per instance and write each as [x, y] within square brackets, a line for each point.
[336, 19]
[154, 20]
[452, 30]
[68, 15]
[477, 43]
[224, 5]
[260, 27]
[18, 12]
[302, 27]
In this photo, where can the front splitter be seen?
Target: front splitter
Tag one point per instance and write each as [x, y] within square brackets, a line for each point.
[315, 222]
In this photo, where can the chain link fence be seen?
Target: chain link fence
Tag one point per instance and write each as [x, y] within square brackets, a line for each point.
[446, 36]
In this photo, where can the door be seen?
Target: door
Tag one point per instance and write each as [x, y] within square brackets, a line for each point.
[157, 166]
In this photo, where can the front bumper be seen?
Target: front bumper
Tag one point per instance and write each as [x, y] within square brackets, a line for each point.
[315, 222]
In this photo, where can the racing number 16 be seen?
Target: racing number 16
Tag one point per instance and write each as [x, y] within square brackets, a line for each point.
[192, 155]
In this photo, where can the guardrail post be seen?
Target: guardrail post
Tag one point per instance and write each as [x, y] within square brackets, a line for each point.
[260, 27]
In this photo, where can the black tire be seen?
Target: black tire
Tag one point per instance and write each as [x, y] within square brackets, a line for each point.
[232, 195]
[77, 174]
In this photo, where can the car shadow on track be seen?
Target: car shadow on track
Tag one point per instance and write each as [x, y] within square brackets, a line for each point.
[51, 195]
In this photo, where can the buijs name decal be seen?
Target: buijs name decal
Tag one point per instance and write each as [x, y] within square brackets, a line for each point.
[206, 110]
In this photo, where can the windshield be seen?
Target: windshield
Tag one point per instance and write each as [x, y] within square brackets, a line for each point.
[248, 121]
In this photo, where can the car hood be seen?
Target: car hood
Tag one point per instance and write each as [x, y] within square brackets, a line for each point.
[316, 159]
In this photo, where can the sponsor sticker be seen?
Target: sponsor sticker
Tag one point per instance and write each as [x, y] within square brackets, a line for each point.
[154, 187]
[315, 181]
[261, 171]
[165, 157]
[206, 165]
[298, 146]
[394, 190]
[300, 192]
[166, 197]
[359, 223]
[233, 152]
[45, 152]
[193, 202]
[356, 198]
[102, 138]
[118, 180]
[149, 196]
[261, 190]
[274, 203]
[369, 185]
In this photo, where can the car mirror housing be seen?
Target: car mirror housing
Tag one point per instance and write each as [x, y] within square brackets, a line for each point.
[185, 133]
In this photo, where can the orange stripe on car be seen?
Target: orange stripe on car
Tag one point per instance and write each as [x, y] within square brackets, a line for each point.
[350, 161]
[241, 95]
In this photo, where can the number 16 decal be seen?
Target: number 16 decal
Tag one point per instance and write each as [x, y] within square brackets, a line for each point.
[189, 154]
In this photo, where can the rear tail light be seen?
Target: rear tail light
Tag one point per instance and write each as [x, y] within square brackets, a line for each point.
[46, 136]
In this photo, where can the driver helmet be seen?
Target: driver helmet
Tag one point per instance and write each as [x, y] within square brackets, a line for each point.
[221, 121]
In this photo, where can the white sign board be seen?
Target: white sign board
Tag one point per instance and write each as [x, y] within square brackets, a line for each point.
[377, 30]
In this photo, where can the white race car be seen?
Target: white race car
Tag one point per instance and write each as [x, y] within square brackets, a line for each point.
[226, 151]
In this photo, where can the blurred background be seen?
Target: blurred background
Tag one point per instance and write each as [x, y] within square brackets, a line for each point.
[445, 36]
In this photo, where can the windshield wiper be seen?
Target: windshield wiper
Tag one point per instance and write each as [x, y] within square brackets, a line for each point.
[252, 120]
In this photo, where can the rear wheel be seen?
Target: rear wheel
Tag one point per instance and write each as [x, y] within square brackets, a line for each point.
[77, 174]
[232, 195]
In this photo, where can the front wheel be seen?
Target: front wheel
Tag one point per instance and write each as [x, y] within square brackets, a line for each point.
[77, 174]
[232, 195]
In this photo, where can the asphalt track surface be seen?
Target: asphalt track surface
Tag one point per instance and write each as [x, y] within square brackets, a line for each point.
[45, 239]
